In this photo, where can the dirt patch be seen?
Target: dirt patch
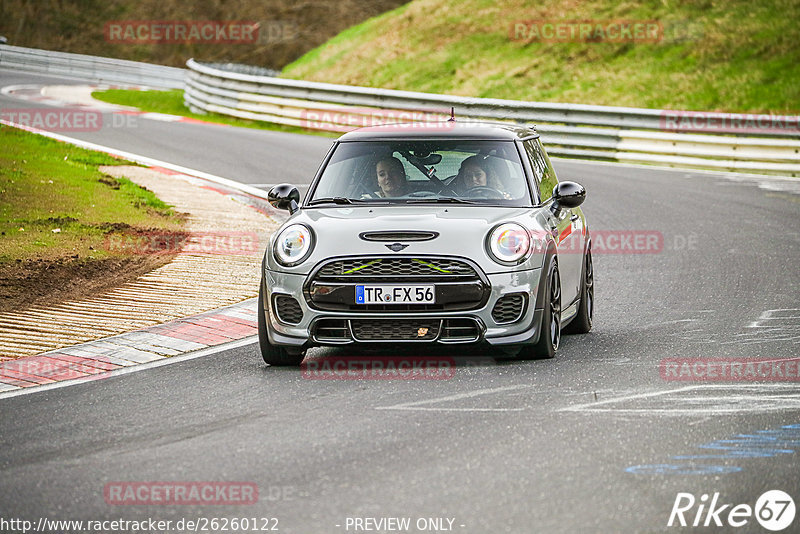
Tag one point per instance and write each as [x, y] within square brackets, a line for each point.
[110, 181]
[50, 282]
[205, 275]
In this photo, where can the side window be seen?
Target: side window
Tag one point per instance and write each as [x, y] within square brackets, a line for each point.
[543, 171]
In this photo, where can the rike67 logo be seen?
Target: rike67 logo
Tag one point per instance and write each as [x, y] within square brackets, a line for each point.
[774, 510]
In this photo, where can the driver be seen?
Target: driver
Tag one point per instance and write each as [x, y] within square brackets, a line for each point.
[476, 171]
[391, 177]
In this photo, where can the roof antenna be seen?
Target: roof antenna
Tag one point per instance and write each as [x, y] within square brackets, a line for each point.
[452, 115]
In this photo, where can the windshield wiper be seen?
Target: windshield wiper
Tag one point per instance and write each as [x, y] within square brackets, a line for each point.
[443, 200]
[333, 200]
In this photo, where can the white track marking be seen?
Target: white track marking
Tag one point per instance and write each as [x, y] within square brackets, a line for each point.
[775, 315]
[134, 368]
[163, 117]
[780, 324]
[420, 405]
[739, 399]
[8, 89]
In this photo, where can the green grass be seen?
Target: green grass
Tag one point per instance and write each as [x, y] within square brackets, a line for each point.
[715, 55]
[171, 102]
[46, 185]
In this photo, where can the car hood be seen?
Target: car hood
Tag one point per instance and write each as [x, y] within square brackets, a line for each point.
[462, 231]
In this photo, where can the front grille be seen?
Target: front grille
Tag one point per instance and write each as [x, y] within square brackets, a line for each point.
[508, 308]
[395, 329]
[397, 268]
[458, 285]
[288, 309]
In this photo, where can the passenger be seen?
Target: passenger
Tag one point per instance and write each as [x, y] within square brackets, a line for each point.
[391, 177]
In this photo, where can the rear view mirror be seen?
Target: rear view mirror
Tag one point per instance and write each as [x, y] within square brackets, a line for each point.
[431, 159]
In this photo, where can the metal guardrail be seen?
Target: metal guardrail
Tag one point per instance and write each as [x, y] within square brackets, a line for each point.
[570, 130]
[98, 69]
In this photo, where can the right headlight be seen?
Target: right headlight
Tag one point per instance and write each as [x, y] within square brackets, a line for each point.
[293, 245]
[509, 243]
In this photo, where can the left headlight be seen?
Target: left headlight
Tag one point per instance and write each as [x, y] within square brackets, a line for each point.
[509, 243]
[293, 245]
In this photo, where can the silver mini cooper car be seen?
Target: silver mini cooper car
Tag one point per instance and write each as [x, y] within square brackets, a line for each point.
[446, 233]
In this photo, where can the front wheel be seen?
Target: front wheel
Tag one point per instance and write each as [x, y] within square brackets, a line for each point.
[272, 354]
[550, 334]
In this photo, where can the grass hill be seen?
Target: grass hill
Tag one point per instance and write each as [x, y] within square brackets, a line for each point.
[721, 55]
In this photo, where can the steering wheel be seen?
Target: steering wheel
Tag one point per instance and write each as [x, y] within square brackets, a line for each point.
[482, 191]
[363, 190]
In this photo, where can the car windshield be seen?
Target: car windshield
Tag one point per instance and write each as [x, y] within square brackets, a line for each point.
[416, 172]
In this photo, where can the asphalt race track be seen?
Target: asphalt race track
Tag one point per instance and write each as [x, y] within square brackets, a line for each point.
[596, 440]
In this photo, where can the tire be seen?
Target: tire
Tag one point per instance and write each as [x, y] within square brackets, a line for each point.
[550, 334]
[582, 322]
[272, 354]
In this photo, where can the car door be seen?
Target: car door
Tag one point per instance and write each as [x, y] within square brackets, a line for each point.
[567, 227]
[570, 253]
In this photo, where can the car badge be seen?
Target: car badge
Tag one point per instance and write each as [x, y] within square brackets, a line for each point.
[421, 332]
[396, 247]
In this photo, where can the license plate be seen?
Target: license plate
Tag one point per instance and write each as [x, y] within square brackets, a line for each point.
[395, 294]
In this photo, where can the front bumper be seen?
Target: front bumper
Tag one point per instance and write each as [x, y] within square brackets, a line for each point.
[477, 325]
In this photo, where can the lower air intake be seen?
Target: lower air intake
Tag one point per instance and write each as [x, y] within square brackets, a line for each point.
[395, 329]
[508, 308]
[288, 309]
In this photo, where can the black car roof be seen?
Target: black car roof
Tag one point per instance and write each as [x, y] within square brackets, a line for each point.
[441, 130]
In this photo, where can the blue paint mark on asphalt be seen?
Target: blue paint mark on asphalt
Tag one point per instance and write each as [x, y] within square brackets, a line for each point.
[761, 444]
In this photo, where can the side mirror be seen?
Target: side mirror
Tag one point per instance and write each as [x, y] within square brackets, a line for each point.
[284, 197]
[567, 195]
